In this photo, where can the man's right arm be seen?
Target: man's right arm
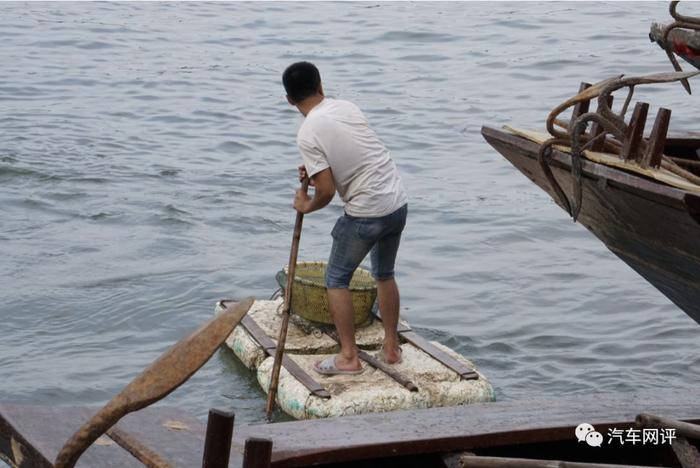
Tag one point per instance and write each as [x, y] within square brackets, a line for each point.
[324, 192]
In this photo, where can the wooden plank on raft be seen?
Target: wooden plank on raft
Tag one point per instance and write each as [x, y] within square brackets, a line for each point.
[388, 369]
[292, 367]
[464, 371]
[464, 427]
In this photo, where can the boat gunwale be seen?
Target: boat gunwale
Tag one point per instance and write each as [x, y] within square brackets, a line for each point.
[651, 190]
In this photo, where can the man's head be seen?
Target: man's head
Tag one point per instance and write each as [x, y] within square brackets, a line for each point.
[301, 80]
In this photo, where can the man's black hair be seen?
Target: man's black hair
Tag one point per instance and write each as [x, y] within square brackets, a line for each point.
[301, 80]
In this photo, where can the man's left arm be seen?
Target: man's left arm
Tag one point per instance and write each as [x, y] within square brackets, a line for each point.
[323, 194]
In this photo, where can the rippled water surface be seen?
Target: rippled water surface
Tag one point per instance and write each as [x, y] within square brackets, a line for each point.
[147, 166]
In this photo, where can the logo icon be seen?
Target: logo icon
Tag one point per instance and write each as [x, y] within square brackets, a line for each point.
[587, 433]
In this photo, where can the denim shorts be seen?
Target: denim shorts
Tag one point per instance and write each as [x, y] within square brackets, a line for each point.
[354, 238]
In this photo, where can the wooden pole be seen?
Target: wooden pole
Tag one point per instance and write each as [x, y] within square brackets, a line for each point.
[217, 444]
[282, 338]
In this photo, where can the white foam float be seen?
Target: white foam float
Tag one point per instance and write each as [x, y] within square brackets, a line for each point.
[372, 391]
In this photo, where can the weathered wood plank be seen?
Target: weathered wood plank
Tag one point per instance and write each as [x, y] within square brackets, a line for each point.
[439, 355]
[175, 435]
[39, 433]
[597, 129]
[657, 139]
[460, 428]
[617, 207]
[217, 442]
[473, 461]
[635, 132]
[445, 359]
[388, 369]
[292, 367]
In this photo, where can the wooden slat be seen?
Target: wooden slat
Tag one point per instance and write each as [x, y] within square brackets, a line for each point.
[473, 461]
[39, 433]
[388, 369]
[217, 442]
[292, 367]
[259, 335]
[141, 452]
[464, 371]
[462, 427]
[630, 147]
[175, 435]
[257, 453]
[597, 129]
[657, 139]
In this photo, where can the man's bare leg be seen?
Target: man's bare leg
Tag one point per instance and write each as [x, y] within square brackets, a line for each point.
[340, 304]
[388, 296]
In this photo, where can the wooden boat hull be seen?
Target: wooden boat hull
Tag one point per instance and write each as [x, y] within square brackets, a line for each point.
[650, 226]
[535, 428]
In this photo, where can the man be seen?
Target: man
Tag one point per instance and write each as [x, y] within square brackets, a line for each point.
[341, 152]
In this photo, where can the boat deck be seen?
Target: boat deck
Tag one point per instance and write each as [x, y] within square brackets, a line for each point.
[33, 435]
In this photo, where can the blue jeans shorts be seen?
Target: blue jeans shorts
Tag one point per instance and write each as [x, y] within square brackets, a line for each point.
[354, 238]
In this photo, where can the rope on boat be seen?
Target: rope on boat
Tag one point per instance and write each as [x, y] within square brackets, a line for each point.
[607, 123]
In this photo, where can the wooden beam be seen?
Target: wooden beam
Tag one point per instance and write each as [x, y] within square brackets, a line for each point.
[474, 461]
[464, 371]
[392, 373]
[217, 444]
[258, 453]
[657, 139]
[141, 451]
[407, 334]
[269, 346]
[635, 132]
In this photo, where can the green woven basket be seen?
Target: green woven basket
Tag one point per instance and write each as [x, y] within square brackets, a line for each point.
[309, 299]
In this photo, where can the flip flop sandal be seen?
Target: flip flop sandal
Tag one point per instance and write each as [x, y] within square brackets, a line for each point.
[328, 367]
[380, 356]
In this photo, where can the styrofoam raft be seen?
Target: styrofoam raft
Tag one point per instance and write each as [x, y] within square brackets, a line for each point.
[369, 392]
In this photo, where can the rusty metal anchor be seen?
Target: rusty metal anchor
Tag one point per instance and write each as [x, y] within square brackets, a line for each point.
[625, 138]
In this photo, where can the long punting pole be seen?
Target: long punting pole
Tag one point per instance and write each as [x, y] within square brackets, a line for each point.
[282, 338]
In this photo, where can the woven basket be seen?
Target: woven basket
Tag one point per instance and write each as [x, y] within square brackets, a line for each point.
[309, 298]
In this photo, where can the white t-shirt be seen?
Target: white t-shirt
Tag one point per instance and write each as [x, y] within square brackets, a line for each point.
[336, 134]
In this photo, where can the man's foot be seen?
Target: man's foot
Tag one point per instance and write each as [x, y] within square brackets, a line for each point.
[329, 366]
[390, 356]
